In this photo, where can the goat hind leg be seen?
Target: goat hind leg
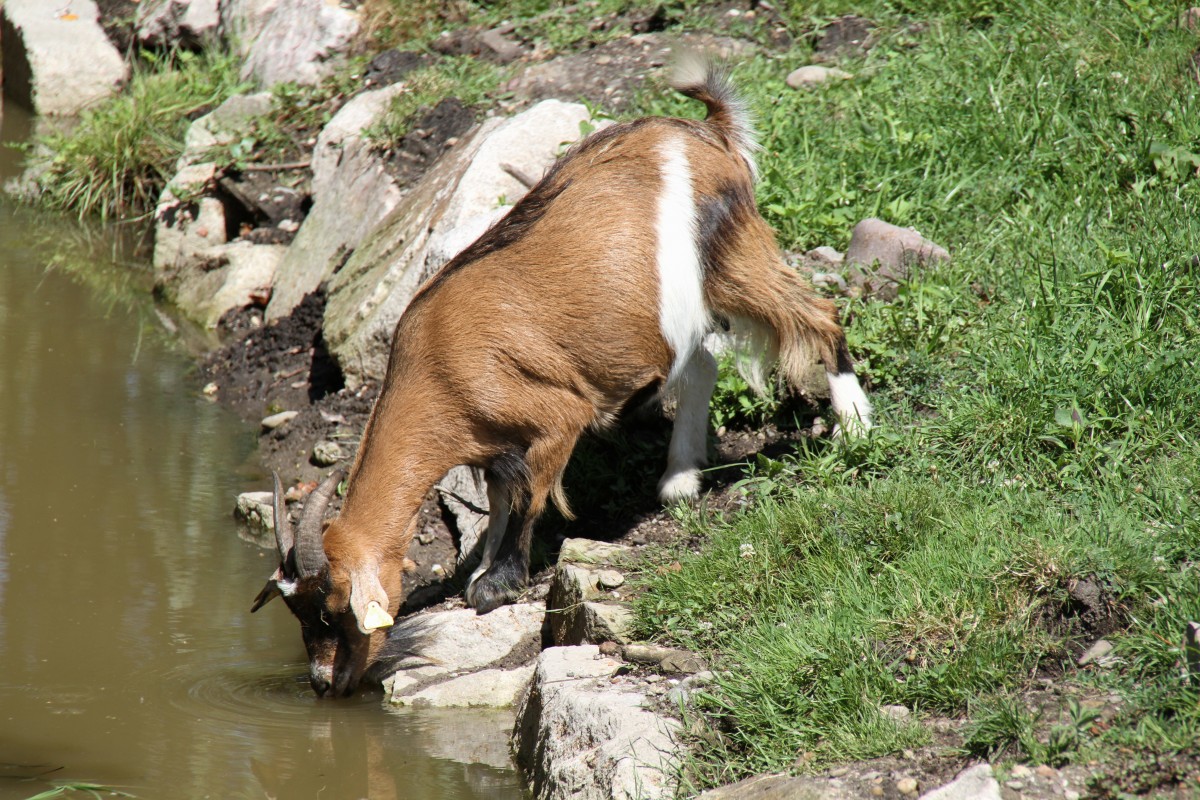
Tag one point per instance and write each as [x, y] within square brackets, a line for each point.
[499, 509]
[689, 437]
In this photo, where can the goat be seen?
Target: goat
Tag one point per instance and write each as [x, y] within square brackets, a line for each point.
[596, 290]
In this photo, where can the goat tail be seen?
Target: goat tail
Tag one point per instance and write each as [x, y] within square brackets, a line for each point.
[702, 78]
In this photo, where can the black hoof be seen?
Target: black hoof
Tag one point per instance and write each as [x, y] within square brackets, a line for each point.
[495, 588]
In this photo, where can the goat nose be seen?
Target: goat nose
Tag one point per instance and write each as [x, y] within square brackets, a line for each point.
[321, 686]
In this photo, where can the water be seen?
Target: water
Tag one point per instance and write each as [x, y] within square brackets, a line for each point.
[127, 654]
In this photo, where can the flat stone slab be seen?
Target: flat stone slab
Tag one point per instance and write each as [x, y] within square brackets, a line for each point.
[56, 57]
[578, 736]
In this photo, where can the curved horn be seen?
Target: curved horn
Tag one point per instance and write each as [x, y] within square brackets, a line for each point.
[310, 551]
[285, 538]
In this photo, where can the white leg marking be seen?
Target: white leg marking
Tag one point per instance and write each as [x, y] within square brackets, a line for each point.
[499, 503]
[681, 312]
[689, 438]
[850, 405]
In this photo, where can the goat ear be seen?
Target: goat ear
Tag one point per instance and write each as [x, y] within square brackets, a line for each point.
[369, 602]
[268, 593]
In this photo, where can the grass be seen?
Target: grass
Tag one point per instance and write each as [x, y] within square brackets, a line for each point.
[1035, 404]
[469, 79]
[115, 162]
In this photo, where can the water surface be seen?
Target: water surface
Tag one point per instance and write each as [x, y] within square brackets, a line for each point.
[127, 654]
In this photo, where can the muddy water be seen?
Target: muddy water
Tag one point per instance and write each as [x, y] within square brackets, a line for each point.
[127, 654]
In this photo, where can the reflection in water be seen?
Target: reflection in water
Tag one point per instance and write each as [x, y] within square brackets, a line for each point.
[127, 654]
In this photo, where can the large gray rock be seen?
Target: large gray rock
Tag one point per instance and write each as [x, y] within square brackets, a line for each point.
[576, 616]
[242, 21]
[56, 57]
[578, 736]
[882, 255]
[368, 295]
[352, 191]
[299, 41]
[462, 659]
[464, 493]
[188, 219]
[171, 22]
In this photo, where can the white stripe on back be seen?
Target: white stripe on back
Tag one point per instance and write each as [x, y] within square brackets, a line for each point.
[681, 311]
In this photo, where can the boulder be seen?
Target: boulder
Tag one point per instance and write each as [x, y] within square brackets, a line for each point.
[299, 41]
[785, 787]
[882, 255]
[165, 23]
[256, 512]
[56, 57]
[352, 191]
[575, 616]
[187, 220]
[367, 296]
[459, 658]
[578, 736]
[223, 278]
[242, 21]
[464, 494]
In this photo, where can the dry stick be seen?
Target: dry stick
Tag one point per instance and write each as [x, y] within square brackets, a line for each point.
[516, 172]
[276, 167]
[455, 495]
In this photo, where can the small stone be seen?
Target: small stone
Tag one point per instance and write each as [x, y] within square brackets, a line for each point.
[288, 225]
[610, 649]
[907, 786]
[326, 453]
[609, 579]
[839, 772]
[210, 389]
[1071, 794]
[1046, 771]
[896, 713]
[814, 75]
[438, 570]
[1190, 20]
[877, 791]
[426, 537]
[278, 420]
[1096, 652]
[1020, 772]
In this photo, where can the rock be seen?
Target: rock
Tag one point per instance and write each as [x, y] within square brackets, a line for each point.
[56, 58]
[186, 221]
[225, 277]
[897, 714]
[479, 736]
[825, 255]
[489, 688]
[278, 420]
[589, 551]
[446, 244]
[906, 786]
[326, 453]
[576, 737]
[470, 517]
[609, 579]
[352, 191]
[256, 511]
[506, 49]
[439, 658]
[975, 783]
[367, 295]
[177, 22]
[814, 75]
[225, 124]
[1096, 653]
[665, 658]
[299, 41]
[575, 618]
[882, 255]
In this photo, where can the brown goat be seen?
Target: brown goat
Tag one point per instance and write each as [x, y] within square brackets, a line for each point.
[596, 289]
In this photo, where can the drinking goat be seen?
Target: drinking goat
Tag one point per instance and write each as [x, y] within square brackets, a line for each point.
[595, 291]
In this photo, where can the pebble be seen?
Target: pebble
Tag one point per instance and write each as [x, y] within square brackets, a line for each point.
[210, 389]
[896, 713]
[1046, 771]
[609, 578]
[1096, 652]
[814, 75]
[906, 786]
[1020, 771]
[326, 453]
[277, 420]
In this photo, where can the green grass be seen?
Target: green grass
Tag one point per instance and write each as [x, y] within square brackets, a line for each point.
[469, 79]
[115, 162]
[1035, 401]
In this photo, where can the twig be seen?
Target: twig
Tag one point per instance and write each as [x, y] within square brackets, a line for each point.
[470, 506]
[516, 172]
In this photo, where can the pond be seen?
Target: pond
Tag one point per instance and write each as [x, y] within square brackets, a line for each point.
[128, 656]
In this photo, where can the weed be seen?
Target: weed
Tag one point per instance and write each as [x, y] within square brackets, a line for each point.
[117, 160]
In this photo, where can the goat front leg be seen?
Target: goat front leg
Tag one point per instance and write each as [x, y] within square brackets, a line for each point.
[689, 437]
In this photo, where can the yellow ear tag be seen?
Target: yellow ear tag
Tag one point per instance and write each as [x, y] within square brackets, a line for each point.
[377, 617]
